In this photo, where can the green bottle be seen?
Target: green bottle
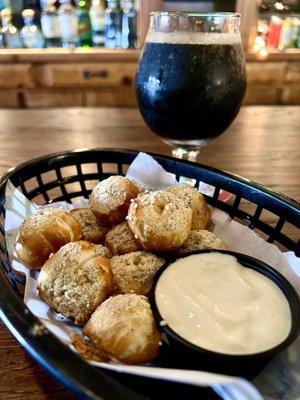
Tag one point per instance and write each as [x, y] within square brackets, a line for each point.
[84, 23]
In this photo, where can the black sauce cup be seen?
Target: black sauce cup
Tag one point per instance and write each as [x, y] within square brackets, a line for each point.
[183, 354]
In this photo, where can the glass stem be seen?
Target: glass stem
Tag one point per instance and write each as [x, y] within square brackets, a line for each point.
[185, 154]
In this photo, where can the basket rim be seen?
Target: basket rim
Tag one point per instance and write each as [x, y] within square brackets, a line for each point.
[280, 196]
[66, 367]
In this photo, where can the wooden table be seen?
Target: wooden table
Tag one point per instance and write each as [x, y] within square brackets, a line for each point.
[262, 144]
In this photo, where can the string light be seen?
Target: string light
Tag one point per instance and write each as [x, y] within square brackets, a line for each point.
[279, 6]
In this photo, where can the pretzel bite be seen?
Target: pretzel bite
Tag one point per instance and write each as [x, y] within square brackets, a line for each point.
[197, 202]
[44, 233]
[124, 327]
[134, 272]
[202, 240]
[76, 279]
[93, 230]
[120, 240]
[110, 199]
[160, 220]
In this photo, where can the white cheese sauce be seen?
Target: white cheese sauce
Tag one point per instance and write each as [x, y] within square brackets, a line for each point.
[214, 302]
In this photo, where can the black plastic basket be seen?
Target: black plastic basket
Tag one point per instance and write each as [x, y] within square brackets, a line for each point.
[69, 175]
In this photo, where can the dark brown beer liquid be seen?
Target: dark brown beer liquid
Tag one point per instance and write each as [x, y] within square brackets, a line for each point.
[190, 91]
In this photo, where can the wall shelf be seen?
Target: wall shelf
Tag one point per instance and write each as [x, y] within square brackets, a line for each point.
[106, 55]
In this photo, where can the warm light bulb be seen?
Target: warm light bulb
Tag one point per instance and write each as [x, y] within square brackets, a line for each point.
[264, 52]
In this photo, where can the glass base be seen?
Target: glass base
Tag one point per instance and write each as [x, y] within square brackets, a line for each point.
[187, 144]
[185, 154]
[186, 149]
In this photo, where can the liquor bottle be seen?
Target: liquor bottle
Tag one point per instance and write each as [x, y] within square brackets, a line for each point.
[97, 11]
[50, 25]
[84, 24]
[2, 46]
[10, 33]
[31, 35]
[113, 25]
[1, 41]
[30, 4]
[274, 32]
[68, 24]
[129, 25]
[16, 6]
[4, 4]
[289, 34]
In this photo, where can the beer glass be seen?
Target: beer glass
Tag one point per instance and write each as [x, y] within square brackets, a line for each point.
[191, 79]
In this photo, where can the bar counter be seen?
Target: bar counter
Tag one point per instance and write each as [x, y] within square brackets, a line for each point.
[262, 145]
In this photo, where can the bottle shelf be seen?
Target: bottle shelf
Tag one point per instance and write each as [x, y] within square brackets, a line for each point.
[69, 55]
[275, 55]
[107, 55]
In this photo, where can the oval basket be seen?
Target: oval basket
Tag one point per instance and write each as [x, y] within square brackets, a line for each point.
[70, 175]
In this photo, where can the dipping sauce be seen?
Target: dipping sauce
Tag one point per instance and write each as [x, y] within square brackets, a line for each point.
[214, 302]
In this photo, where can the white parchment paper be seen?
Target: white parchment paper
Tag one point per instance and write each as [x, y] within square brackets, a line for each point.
[280, 380]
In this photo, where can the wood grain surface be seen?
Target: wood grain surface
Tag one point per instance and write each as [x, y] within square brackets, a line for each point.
[79, 54]
[262, 144]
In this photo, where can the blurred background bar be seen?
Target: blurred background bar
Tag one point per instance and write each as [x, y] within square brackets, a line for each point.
[60, 53]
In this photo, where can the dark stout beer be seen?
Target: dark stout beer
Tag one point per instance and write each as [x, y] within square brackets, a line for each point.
[190, 91]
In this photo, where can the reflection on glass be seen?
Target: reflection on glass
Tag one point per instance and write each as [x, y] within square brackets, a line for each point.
[191, 79]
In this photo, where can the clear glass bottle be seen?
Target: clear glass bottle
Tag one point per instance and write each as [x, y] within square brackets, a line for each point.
[97, 11]
[50, 25]
[84, 24]
[2, 46]
[129, 25]
[31, 35]
[113, 25]
[11, 35]
[68, 24]
[16, 6]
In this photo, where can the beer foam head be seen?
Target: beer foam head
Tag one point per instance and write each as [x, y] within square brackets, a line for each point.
[202, 38]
